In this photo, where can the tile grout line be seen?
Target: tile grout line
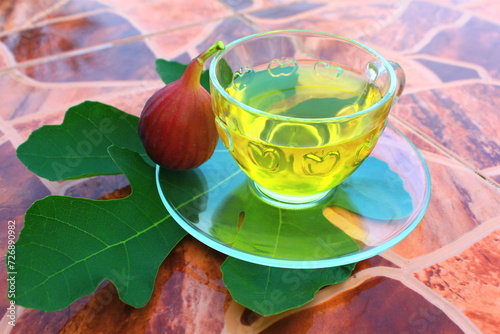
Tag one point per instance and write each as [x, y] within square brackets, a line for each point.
[103, 46]
[322, 296]
[44, 12]
[241, 14]
[7, 56]
[21, 77]
[397, 274]
[443, 160]
[286, 18]
[491, 171]
[465, 8]
[454, 248]
[395, 258]
[445, 306]
[189, 49]
[59, 19]
[12, 136]
[402, 276]
[4, 322]
[41, 115]
[432, 33]
[10, 133]
[395, 14]
[451, 84]
[481, 71]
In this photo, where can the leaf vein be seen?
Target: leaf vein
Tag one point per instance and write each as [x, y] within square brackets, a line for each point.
[73, 226]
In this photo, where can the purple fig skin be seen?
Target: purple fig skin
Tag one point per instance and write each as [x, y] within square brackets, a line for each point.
[177, 125]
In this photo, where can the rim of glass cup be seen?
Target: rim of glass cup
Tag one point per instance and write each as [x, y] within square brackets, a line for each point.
[390, 92]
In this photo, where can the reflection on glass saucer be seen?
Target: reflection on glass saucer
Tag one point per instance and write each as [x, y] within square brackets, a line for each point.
[371, 211]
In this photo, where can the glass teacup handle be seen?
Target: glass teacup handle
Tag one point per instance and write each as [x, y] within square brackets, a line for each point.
[401, 79]
[377, 71]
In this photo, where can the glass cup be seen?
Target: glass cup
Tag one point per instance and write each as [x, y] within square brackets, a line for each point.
[301, 110]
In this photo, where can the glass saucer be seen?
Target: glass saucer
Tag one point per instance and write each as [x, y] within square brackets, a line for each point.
[371, 211]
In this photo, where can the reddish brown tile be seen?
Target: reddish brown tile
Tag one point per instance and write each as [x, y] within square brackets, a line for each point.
[4, 56]
[19, 187]
[460, 201]
[470, 281]
[97, 187]
[249, 5]
[447, 72]
[162, 15]
[288, 10]
[340, 18]
[378, 305]
[423, 144]
[446, 205]
[417, 74]
[24, 129]
[132, 102]
[16, 14]
[496, 178]
[34, 321]
[27, 97]
[470, 43]
[484, 8]
[67, 36]
[25, 14]
[194, 297]
[460, 118]
[456, 2]
[73, 7]
[238, 4]
[128, 61]
[410, 27]
[174, 45]
[227, 31]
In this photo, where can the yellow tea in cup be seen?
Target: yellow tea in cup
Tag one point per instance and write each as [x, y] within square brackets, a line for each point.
[298, 125]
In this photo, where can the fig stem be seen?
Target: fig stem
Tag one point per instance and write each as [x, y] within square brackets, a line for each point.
[209, 52]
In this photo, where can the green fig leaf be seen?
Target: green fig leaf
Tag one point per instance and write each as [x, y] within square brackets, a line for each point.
[170, 71]
[69, 246]
[78, 147]
[205, 80]
[268, 290]
[225, 73]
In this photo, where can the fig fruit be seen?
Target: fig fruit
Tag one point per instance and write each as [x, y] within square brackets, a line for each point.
[177, 125]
